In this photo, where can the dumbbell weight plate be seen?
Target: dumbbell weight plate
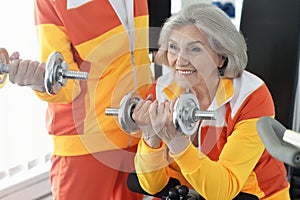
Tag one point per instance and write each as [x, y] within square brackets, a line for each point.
[183, 114]
[52, 84]
[4, 59]
[127, 106]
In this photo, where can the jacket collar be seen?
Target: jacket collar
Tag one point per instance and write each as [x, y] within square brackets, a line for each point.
[224, 92]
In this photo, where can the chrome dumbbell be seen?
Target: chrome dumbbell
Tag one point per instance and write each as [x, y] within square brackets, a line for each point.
[124, 112]
[56, 72]
[186, 113]
[4, 61]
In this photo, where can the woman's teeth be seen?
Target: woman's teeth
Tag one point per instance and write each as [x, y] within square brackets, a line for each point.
[185, 72]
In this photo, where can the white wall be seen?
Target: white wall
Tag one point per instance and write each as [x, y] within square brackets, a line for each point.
[22, 115]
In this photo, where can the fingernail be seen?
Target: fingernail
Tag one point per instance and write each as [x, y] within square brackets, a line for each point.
[149, 97]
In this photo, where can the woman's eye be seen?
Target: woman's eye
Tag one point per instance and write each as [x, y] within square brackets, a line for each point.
[173, 47]
[195, 49]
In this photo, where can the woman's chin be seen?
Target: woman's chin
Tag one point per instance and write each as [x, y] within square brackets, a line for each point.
[183, 84]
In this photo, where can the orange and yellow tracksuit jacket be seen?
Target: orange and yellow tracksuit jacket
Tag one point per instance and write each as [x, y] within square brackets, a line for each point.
[231, 158]
[92, 38]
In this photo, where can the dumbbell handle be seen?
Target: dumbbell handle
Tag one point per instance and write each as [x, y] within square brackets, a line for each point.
[68, 74]
[75, 75]
[63, 72]
[198, 114]
[112, 111]
[201, 114]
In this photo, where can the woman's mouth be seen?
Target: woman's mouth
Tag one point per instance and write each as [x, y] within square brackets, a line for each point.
[185, 72]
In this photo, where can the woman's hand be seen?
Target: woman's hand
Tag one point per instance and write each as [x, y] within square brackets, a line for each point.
[142, 119]
[27, 73]
[161, 116]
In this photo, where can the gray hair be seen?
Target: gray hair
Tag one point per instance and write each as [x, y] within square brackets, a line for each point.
[221, 34]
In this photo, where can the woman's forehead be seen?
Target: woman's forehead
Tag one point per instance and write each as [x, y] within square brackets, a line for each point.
[188, 33]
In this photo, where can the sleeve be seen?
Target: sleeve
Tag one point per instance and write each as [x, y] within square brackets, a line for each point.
[152, 167]
[225, 178]
[52, 36]
[151, 90]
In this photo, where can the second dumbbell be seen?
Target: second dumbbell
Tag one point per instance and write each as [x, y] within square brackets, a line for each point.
[56, 72]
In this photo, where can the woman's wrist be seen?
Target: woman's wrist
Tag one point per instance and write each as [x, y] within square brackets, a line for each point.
[178, 144]
[153, 141]
[150, 138]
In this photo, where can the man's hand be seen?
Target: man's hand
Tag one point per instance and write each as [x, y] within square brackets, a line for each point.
[27, 73]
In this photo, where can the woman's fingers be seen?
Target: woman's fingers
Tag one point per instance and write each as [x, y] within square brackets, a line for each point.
[141, 114]
[158, 116]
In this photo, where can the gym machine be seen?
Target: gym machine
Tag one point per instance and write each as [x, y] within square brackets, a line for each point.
[56, 72]
[282, 143]
[175, 191]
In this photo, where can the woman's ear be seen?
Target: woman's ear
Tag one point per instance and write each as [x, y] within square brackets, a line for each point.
[222, 62]
[223, 65]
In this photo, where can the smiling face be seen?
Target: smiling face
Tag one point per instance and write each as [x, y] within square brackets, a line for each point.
[190, 55]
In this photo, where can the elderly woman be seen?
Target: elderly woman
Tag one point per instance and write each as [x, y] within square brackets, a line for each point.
[225, 157]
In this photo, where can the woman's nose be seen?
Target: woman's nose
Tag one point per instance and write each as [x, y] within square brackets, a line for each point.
[181, 60]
